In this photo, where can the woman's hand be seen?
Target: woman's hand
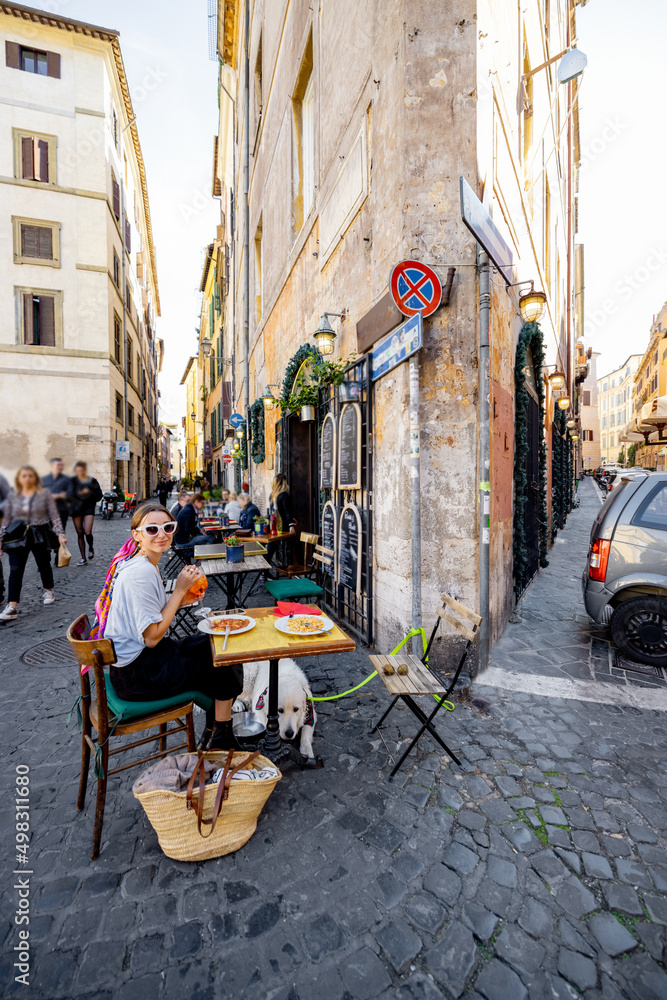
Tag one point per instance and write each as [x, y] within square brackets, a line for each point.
[62, 539]
[185, 579]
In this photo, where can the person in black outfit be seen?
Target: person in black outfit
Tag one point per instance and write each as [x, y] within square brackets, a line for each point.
[188, 533]
[83, 493]
[5, 490]
[57, 483]
[163, 491]
[281, 502]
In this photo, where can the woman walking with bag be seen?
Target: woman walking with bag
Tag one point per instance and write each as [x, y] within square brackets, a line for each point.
[82, 495]
[25, 529]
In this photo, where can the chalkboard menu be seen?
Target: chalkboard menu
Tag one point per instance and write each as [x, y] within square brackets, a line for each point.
[328, 454]
[349, 447]
[329, 535]
[349, 549]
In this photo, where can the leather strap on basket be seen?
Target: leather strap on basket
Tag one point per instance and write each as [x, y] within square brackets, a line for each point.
[222, 793]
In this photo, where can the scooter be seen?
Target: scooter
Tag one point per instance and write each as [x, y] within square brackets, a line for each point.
[108, 505]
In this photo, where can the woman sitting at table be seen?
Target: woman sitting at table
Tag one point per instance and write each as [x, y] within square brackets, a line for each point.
[233, 508]
[281, 503]
[249, 511]
[150, 666]
[188, 532]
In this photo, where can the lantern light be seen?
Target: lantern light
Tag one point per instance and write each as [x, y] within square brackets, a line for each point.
[205, 346]
[571, 423]
[557, 379]
[532, 304]
[564, 403]
[239, 433]
[324, 336]
[575, 437]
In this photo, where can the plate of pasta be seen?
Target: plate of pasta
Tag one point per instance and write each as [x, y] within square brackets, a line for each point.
[218, 624]
[304, 625]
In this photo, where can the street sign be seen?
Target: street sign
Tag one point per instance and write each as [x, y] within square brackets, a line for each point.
[485, 231]
[226, 451]
[122, 451]
[415, 288]
[236, 420]
[227, 459]
[398, 345]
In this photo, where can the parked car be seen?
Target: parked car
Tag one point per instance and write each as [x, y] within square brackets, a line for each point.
[625, 580]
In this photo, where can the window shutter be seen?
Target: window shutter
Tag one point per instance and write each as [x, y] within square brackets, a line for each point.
[115, 197]
[42, 160]
[27, 319]
[53, 64]
[29, 241]
[128, 236]
[45, 241]
[13, 55]
[226, 400]
[587, 397]
[28, 157]
[47, 327]
[220, 422]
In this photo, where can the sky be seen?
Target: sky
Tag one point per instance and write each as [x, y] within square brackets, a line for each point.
[174, 92]
[622, 201]
[622, 204]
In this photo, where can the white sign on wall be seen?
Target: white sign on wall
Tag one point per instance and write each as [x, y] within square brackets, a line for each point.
[122, 451]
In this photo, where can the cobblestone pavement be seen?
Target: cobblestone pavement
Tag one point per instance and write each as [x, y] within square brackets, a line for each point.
[555, 637]
[536, 870]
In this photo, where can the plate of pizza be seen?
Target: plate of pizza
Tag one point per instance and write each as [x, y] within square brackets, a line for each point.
[218, 624]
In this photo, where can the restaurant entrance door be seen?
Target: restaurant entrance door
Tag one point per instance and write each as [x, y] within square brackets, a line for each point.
[300, 467]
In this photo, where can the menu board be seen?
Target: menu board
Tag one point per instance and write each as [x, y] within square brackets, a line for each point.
[328, 454]
[329, 535]
[349, 549]
[349, 447]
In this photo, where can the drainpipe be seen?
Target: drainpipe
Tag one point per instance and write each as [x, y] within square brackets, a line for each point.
[484, 453]
[246, 225]
[124, 287]
[415, 505]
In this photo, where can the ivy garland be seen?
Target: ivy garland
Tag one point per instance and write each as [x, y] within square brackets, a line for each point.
[305, 352]
[257, 446]
[530, 337]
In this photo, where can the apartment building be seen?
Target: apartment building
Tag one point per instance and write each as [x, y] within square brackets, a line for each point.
[79, 354]
[615, 408]
[589, 444]
[650, 383]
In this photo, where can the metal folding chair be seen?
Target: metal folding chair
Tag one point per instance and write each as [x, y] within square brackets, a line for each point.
[422, 680]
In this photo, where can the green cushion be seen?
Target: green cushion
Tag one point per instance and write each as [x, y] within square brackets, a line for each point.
[131, 709]
[282, 590]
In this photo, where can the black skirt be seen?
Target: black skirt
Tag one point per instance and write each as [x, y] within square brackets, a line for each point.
[173, 666]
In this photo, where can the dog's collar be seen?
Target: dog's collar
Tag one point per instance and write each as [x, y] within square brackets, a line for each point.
[260, 701]
[310, 714]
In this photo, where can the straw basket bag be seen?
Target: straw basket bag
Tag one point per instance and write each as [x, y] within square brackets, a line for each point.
[229, 808]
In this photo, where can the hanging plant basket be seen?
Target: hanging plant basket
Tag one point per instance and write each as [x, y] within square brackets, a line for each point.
[306, 414]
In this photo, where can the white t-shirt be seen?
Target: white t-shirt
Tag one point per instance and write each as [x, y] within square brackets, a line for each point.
[137, 600]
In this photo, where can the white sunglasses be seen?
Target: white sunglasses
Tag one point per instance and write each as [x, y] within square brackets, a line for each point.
[153, 529]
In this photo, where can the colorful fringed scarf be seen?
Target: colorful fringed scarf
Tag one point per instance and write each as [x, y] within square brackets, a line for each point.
[103, 603]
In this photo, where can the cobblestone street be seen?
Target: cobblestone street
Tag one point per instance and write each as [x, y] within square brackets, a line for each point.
[536, 870]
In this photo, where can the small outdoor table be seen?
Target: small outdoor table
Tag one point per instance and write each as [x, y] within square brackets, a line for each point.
[229, 575]
[265, 642]
[252, 548]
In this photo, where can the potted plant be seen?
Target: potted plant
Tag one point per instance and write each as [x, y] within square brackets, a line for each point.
[235, 550]
[261, 525]
[304, 399]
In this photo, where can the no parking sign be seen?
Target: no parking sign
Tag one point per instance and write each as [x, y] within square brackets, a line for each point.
[415, 288]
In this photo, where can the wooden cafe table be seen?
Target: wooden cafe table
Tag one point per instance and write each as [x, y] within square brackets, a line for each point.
[265, 642]
[228, 575]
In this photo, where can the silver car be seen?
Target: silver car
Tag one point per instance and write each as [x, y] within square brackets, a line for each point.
[625, 580]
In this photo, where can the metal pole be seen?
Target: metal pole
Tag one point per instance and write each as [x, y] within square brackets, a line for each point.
[415, 504]
[124, 287]
[246, 224]
[484, 453]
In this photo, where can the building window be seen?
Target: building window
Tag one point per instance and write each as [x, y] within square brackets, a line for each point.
[32, 60]
[588, 436]
[119, 408]
[117, 346]
[587, 397]
[116, 270]
[115, 195]
[604, 403]
[604, 423]
[114, 127]
[258, 271]
[605, 387]
[303, 110]
[40, 317]
[258, 87]
[611, 439]
[130, 418]
[36, 242]
[129, 359]
[34, 156]
[128, 299]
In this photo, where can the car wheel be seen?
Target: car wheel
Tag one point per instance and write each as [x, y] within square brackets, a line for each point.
[639, 629]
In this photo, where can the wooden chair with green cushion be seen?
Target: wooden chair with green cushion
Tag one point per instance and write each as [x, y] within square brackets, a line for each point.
[297, 585]
[111, 716]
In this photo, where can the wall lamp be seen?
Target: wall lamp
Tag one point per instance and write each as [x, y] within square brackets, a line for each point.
[564, 403]
[325, 334]
[268, 398]
[206, 345]
[557, 379]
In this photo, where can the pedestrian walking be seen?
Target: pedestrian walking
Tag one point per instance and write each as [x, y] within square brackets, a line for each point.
[163, 490]
[5, 490]
[56, 482]
[83, 493]
[25, 529]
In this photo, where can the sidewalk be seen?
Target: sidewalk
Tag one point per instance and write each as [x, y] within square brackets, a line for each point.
[537, 870]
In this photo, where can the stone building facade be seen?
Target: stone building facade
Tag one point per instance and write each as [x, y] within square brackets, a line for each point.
[79, 353]
[615, 408]
[355, 139]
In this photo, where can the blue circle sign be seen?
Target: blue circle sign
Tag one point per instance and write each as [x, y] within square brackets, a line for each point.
[236, 420]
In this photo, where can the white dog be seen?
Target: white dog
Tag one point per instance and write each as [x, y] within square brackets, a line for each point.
[296, 712]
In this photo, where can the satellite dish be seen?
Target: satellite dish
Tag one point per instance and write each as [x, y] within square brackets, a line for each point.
[571, 65]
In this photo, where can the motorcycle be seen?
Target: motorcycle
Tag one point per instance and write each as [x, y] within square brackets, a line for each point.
[108, 505]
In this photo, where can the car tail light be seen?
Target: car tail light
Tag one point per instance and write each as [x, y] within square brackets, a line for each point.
[598, 560]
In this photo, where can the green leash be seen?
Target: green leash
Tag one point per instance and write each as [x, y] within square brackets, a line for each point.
[413, 632]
